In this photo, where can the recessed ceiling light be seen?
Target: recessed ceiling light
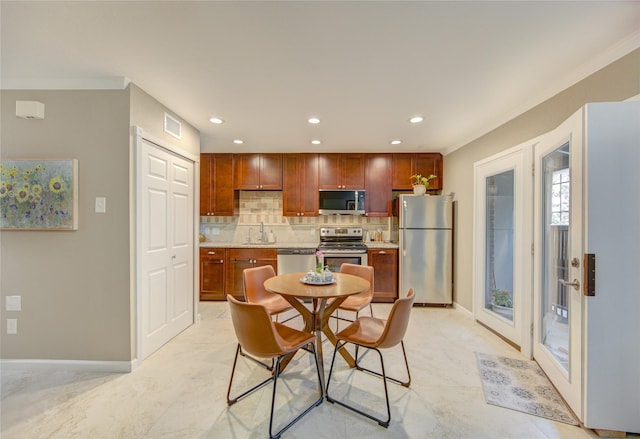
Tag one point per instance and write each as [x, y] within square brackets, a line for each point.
[416, 119]
[396, 142]
[216, 120]
[313, 120]
[316, 142]
[238, 141]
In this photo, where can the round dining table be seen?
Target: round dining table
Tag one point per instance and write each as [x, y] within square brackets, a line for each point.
[292, 287]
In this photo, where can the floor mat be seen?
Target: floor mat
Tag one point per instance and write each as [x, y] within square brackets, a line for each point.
[521, 385]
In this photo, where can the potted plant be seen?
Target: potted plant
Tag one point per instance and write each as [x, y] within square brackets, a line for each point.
[502, 302]
[420, 183]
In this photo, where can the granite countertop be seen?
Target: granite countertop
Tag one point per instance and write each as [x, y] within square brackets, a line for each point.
[258, 245]
[381, 244]
[208, 244]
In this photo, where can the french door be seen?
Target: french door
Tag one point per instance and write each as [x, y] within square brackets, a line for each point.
[502, 244]
[557, 335]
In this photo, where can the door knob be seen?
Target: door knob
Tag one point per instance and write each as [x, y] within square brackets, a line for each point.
[575, 284]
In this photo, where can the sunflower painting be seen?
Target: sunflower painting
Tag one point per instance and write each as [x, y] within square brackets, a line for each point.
[38, 194]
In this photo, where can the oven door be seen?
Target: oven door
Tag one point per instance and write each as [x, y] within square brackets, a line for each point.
[334, 261]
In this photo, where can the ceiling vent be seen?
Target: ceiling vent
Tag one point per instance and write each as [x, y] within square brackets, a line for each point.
[29, 110]
[172, 126]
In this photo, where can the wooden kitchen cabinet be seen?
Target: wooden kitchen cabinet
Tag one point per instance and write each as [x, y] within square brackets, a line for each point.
[257, 171]
[377, 184]
[212, 273]
[300, 185]
[217, 196]
[385, 273]
[240, 258]
[407, 164]
[340, 171]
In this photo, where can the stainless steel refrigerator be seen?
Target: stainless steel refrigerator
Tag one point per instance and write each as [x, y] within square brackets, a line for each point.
[425, 226]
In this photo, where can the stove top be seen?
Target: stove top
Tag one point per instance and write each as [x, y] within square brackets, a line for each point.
[341, 240]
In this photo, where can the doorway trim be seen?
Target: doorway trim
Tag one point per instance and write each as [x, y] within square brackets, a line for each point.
[135, 229]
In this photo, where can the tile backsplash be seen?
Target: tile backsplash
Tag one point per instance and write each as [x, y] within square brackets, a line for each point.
[265, 207]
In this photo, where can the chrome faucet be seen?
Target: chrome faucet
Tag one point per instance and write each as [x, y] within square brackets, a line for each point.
[261, 239]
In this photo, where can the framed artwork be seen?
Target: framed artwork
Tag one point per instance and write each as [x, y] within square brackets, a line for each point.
[39, 194]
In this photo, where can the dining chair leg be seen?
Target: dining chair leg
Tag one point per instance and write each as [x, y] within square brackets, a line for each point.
[231, 401]
[277, 435]
[383, 423]
[265, 365]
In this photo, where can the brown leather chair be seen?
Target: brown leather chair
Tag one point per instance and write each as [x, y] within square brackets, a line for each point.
[376, 334]
[254, 291]
[259, 336]
[358, 301]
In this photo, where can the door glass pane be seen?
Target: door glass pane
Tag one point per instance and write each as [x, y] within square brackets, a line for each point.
[555, 254]
[499, 244]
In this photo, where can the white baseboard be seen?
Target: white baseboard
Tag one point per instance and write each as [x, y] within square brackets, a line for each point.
[456, 305]
[67, 365]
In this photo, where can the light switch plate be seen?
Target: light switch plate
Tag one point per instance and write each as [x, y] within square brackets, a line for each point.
[101, 204]
[13, 303]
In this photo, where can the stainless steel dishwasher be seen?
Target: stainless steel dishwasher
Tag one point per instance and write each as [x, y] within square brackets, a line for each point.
[293, 260]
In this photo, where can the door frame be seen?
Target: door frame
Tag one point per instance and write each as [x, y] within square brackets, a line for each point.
[520, 159]
[136, 228]
[568, 383]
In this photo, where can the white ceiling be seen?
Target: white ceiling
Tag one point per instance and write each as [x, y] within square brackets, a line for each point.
[363, 67]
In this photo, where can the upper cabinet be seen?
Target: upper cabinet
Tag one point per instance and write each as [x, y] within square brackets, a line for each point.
[216, 189]
[257, 171]
[407, 164]
[341, 171]
[378, 184]
[300, 185]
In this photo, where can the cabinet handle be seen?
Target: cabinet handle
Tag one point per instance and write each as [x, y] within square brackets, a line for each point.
[382, 252]
[222, 261]
[211, 253]
[301, 213]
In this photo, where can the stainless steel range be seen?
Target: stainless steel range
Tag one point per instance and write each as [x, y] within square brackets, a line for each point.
[342, 244]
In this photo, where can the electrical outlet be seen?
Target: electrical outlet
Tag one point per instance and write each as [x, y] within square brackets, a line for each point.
[12, 326]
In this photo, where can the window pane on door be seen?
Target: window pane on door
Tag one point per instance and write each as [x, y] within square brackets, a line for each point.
[499, 246]
[555, 255]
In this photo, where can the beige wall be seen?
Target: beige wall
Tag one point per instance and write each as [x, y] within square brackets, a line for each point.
[77, 300]
[618, 81]
[74, 284]
[148, 113]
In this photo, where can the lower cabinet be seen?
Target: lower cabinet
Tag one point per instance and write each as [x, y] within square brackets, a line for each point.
[385, 268]
[212, 273]
[240, 258]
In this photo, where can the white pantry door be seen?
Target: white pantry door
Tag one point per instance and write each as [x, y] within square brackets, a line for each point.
[166, 246]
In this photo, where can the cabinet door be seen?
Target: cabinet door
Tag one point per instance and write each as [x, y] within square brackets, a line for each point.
[300, 185]
[212, 273]
[378, 184]
[206, 184]
[385, 266]
[271, 171]
[246, 171]
[429, 163]
[352, 171]
[402, 171]
[238, 259]
[407, 164]
[223, 195]
[328, 171]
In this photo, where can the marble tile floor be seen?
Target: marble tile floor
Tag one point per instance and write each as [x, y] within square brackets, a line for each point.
[180, 391]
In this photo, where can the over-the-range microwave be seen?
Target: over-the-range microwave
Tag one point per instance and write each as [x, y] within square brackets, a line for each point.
[341, 202]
